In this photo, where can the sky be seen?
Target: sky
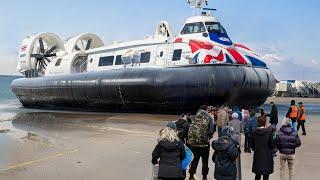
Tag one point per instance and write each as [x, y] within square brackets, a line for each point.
[285, 33]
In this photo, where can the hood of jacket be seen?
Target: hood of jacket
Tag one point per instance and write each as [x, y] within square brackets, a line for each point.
[222, 144]
[262, 131]
[169, 146]
[287, 130]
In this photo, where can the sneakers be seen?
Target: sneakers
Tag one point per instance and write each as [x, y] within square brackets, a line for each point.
[304, 134]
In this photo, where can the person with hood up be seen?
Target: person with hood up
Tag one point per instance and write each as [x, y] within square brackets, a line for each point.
[170, 150]
[201, 130]
[226, 151]
[262, 145]
[287, 141]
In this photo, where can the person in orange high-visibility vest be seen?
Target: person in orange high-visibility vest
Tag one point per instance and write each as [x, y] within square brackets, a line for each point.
[293, 114]
[302, 118]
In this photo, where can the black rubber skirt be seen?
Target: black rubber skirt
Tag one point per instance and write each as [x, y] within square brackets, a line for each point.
[149, 89]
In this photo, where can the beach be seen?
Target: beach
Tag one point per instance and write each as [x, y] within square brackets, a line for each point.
[39, 144]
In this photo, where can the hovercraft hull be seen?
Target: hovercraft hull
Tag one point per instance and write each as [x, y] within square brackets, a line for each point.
[149, 89]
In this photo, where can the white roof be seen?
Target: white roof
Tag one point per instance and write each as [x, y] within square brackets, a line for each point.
[202, 19]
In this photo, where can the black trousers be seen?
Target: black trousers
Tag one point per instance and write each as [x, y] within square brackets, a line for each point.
[203, 153]
[301, 124]
[247, 143]
[265, 177]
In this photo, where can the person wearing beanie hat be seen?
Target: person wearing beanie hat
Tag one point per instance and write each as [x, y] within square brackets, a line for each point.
[172, 125]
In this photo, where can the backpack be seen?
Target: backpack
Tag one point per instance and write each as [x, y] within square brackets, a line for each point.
[198, 131]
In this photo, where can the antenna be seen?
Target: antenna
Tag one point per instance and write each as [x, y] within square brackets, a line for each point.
[198, 4]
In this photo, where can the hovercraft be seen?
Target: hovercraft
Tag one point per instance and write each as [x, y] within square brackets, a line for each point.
[162, 73]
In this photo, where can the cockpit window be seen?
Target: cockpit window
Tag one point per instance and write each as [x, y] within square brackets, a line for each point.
[192, 28]
[214, 27]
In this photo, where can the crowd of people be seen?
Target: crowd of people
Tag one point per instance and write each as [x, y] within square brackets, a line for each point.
[184, 142]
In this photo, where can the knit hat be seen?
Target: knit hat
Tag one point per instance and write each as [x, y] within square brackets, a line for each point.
[172, 125]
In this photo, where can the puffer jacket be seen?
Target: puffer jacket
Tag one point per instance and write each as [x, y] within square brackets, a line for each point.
[224, 157]
[287, 140]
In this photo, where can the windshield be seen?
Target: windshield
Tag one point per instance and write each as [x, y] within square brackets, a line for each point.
[214, 27]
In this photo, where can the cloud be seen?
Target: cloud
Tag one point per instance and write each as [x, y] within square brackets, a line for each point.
[285, 66]
[315, 62]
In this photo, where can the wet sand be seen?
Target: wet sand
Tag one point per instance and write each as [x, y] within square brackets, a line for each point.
[65, 145]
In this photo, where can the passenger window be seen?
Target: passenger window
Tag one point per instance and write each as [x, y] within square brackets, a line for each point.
[119, 60]
[161, 54]
[106, 61]
[199, 28]
[193, 28]
[177, 55]
[58, 63]
[145, 57]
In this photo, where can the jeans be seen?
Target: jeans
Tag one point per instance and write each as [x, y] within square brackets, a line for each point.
[203, 153]
[301, 123]
[265, 177]
[294, 125]
[283, 161]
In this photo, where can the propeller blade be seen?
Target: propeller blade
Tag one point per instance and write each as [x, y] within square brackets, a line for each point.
[77, 48]
[35, 66]
[44, 63]
[51, 55]
[51, 50]
[88, 44]
[33, 55]
[41, 46]
[47, 59]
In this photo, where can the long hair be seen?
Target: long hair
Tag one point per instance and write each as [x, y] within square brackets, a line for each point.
[168, 134]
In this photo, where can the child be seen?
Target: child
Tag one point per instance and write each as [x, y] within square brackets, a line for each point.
[226, 151]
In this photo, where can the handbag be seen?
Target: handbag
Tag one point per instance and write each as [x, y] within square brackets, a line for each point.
[187, 160]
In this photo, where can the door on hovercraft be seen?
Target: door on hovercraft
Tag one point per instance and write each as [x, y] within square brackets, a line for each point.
[161, 59]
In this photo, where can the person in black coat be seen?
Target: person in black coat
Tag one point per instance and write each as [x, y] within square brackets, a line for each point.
[170, 150]
[274, 120]
[226, 151]
[262, 145]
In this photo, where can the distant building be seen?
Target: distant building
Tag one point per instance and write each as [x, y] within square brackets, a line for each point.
[294, 88]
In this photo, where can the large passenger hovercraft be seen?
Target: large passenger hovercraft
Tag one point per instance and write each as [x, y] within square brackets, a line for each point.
[162, 73]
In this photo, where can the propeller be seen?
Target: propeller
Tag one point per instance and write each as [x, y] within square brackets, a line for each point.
[42, 58]
[83, 45]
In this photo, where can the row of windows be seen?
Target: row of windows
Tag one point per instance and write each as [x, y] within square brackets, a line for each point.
[145, 58]
[108, 60]
[199, 27]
